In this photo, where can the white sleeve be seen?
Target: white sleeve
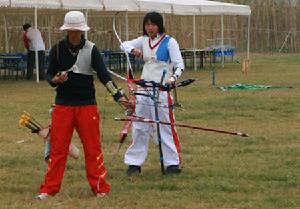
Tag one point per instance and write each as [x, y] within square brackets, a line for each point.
[176, 58]
[127, 46]
[29, 34]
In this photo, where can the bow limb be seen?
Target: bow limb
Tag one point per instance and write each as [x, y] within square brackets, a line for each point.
[131, 88]
[132, 100]
[117, 75]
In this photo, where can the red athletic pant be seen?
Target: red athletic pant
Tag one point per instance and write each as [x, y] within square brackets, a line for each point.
[85, 119]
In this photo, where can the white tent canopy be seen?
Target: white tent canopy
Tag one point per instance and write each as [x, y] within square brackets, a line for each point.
[54, 4]
[198, 7]
[124, 5]
[177, 7]
[82, 4]
[186, 7]
[35, 3]
[4, 3]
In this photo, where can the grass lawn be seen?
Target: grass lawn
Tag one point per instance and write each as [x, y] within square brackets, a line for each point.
[219, 171]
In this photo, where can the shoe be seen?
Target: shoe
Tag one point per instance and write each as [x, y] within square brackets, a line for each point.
[47, 159]
[133, 169]
[173, 169]
[42, 196]
[100, 195]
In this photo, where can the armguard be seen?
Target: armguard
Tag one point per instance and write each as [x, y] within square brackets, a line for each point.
[177, 73]
[113, 90]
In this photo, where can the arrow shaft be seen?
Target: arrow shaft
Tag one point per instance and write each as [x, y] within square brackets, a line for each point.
[182, 125]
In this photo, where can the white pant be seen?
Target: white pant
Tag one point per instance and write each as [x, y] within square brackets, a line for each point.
[142, 132]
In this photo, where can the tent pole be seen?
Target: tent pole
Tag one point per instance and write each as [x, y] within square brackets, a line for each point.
[49, 32]
[248, 38]
[6, 35]
[222, 40]
[120, 28]
[126, 26]
[36, 51]
[194, 42]
[246, 62]
[86, 19]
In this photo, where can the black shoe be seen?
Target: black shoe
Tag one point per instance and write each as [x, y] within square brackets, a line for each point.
[173, 169]
[47, 159]
[133, 169]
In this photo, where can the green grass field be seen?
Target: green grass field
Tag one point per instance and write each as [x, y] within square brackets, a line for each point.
[219, 171]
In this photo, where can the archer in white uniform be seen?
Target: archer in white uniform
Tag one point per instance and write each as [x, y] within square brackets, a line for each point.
[160, 52]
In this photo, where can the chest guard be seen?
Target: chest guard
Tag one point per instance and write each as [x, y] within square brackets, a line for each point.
[156, 61]
[83, 64]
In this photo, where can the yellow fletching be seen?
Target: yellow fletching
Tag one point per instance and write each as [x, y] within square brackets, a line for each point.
[27, 120]
[21, 122]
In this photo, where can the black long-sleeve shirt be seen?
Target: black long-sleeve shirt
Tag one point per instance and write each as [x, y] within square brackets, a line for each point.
[79, 89]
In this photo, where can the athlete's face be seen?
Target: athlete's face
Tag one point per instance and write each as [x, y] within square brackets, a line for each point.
[75, 36]
[151, 29]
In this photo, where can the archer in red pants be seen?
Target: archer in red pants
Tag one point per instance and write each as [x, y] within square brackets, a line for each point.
[71, 65]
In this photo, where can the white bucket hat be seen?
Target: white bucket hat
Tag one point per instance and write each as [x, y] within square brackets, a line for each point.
[75, 20]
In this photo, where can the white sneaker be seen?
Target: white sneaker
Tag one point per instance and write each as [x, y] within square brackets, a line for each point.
[101, 195]
[42, 196]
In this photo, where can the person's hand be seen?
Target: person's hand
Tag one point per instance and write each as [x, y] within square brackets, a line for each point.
[128, 106]
[136, 52]
[60, 77]
[133, 88]
[171, 81]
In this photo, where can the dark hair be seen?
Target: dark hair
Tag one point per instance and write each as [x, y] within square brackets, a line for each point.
[26, 26]
[155, 18]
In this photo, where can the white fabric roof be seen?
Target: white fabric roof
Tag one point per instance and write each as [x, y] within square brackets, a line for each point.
[38, 3]
[135, 6]
[200, 7]
[55, 4]
[216, 8]
[120, 5]
[82, 4]
[4, 3]
[181, 7]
